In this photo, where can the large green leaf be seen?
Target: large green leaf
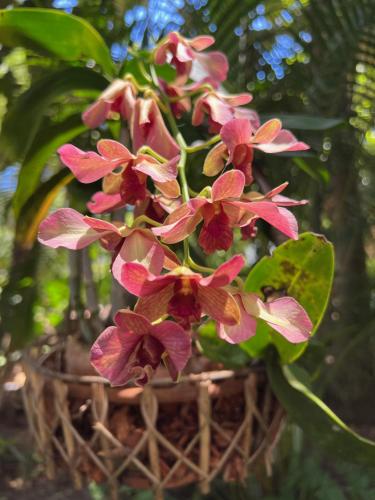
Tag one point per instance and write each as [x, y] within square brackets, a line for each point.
[302, 269]
[24, 118]
[47, 141]
[320, 423]
[54, 33]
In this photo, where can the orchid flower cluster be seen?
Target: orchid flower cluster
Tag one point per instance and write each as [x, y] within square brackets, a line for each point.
[175, 295]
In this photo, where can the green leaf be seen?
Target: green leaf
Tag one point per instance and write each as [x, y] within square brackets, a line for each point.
[37, 206]
[318, 421]
[54, 33]
[317, 171]
[47, 141]
[304, 122]
[133, 68]
[302, 269]
[218, 350]
[166, 72]
[24, 118]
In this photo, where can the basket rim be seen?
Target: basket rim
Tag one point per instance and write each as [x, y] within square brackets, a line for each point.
[37, 364]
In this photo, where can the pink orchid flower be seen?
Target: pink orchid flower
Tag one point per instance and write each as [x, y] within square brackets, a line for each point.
[156, 207]
[180, 52]
[148, 129]
[68, 228]
[240, 138]
[118, 98]
[134, 348]
[182, 104]
[223, 211]
[180, 94]
[285, 315]
[274, 196]
[125, 186]
[183, 294]
[221, 108]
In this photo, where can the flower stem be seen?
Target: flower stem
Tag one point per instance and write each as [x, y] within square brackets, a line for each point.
[204, 145]
[143, 218]
[181, 167]
[143, 71]
[147, 150]
[197, 267]
[129, 77]
[205, 87]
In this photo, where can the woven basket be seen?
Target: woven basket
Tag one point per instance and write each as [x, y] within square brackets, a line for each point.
[163, 436]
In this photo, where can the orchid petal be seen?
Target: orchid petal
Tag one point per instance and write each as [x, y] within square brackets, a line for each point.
[177, 343]
[284, 201]
[220, 111]
[170, 189]
[155, 306]
[96, 113]
[140, 282]
[128, 101]
[141, 248]
[198, 111]
[133, 186]
[216, 232]
[129, 321]
[267, 132]
[111, 183]
[179, 213]
[254, 196]
[286, 137]
[148, 128]
[237, 214]
[285, 315]
[101, 225]
[242, 159]
[110, 353]
[245, 329]
[113, 90]
[278, 217]
[114, 150]
[87, 166]
[219, 305]
[160, 172]
[160, 55]
[248, 114]
[201, 42]
[178, 229]
[171, 261]
[238, 99]
[213, 64]
[285, 141]
[225, 273]
[228, 185]
[299, 325]
[67, 228]
[276, 190]
[235, 132]
[184, 53]
[215, 160]
[102, 202]
[275, 197]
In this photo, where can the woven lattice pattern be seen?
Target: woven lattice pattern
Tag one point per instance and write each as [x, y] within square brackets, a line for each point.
[220, 434]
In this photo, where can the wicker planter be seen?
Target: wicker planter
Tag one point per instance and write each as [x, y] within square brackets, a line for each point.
[164, 436]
